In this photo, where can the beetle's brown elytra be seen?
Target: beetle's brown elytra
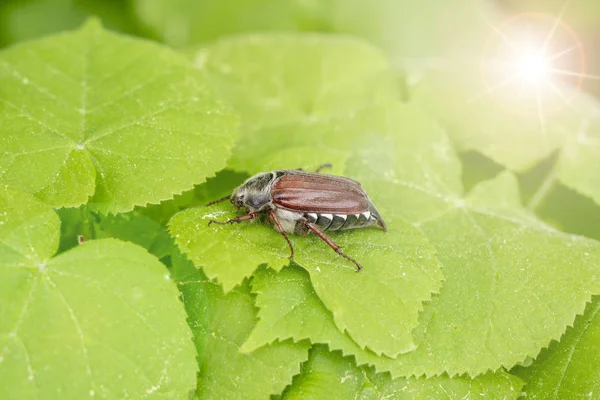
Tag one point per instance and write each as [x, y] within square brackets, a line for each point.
[300, 202]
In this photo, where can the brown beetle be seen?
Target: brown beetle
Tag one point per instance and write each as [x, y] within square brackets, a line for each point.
[300, 202]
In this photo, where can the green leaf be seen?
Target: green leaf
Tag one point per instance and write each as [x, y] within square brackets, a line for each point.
[186, 22]
[329, 372]
[290, 308]
[512, 283]
[94, 113]
[379, 306]
[227, 253]
[297, 91]
[568, 369]
[518, 140]
[505, 130]
[221, 322]
[98, 320]
[138, 229]
[415, 34]
[222, 184]
[579, 165]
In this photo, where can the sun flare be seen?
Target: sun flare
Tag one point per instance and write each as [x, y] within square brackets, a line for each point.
[533, 63]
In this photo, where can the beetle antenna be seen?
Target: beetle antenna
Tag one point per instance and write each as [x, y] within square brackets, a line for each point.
[217, 201]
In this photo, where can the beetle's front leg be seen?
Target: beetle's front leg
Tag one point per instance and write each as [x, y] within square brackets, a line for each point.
[236, 219]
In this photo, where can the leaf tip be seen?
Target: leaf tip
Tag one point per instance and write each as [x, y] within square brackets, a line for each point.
[92, 24]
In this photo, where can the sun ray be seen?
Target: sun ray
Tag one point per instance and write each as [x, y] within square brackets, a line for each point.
[504, 38]
[560, 53]
[540, 111]
[557, 22]
[566, 72]
[567, 101]
[495, 87]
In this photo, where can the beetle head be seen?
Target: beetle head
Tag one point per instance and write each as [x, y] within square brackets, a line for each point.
[255, 194]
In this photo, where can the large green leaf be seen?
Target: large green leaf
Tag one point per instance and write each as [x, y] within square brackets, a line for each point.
[99, 320]
[95, 113]
[568, 369]
[220, 323]
[512, 283]
[329, 372]
[297, 91]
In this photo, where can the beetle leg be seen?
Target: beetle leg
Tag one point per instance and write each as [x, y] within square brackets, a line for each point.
[280, 229]
[236, 219]
[322, 166]
[331, 244]
[326, 165]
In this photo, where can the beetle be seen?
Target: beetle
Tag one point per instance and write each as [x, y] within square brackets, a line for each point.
[300, 202]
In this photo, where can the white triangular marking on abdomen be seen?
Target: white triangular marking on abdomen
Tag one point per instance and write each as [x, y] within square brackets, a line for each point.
[367, 214]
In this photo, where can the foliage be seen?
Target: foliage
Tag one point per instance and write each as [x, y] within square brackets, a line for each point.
[113, 285]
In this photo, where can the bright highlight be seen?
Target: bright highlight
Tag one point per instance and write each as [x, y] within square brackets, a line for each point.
[533, 66]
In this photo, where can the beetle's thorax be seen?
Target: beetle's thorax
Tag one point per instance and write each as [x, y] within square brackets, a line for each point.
[255, 193]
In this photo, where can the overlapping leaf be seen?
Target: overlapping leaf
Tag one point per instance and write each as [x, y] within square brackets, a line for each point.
[517, 134]
[228, 253]
[95, 113]
[220, 324]
[579, 163]
[378, 306]
[504, 270]
[568, 369]
[101, 314]
[329, 372]
[302, 94]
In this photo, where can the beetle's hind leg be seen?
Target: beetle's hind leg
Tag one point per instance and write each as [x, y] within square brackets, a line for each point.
[282, 231]
[335, 247]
